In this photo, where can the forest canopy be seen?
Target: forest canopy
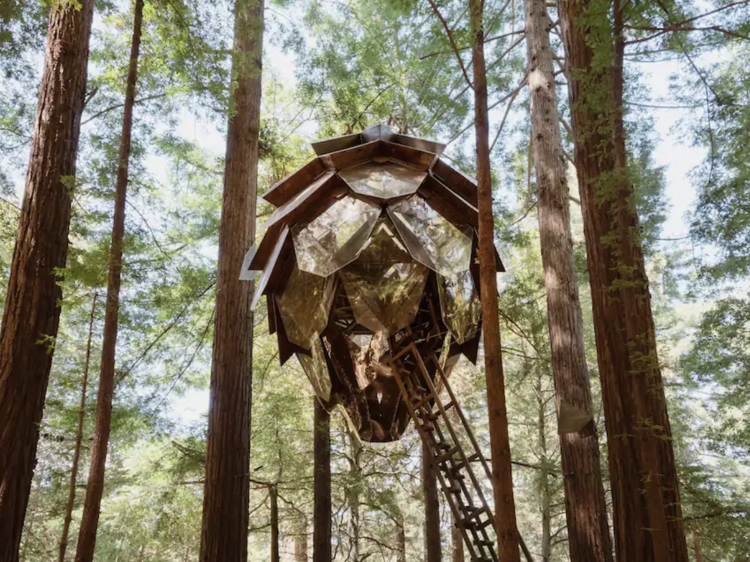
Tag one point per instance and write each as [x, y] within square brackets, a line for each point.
[148, 412]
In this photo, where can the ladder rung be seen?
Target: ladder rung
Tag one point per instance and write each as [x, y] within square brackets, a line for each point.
[447, 455]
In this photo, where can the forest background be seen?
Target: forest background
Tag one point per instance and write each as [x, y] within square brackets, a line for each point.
[332, 67]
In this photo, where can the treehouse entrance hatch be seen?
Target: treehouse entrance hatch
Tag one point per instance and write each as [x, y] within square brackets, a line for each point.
[372, 248]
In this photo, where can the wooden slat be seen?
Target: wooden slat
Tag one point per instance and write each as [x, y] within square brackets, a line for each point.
[419, 144]
[465, 186]
[377, 132]
[334, 144]
[351, 156]
[403, 154]
[284, 190]
[449, 204]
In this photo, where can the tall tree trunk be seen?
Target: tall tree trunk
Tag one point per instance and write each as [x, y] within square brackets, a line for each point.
[457, 544]
[585, 505]
[32, 304]
[322, 484]
[273, 494]
[79, 438]
[647, 514]
[226, 495]
[432, 543]
[102, 425]
[502, 472]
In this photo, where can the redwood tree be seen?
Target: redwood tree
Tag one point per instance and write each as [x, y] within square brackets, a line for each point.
[226, 493]
[32, 305]
[103, 422]
[322, 485]
[585, 506]
[646, 504]
[502, 472]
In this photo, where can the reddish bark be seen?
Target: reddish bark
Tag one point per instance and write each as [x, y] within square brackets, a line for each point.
[103, 422]
[502, 473]
[585, 506]
[32, 306]
[646, 505]
[226, 494]
[322, 485]
[79, 438]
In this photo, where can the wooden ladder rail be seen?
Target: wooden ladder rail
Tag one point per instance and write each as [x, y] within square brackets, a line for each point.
[444, 448]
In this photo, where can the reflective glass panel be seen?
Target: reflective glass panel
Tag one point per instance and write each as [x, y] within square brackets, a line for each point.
[334, 238]
[430, 238]
[316, 369]
[304, 306]
[384, 181]
[384, 285]
[460, 304]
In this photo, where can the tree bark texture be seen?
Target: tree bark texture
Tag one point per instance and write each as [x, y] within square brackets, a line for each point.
[502, 473]
[585, 505]
[322, 485]
[32, 305]
[226, 493]
[103, 422]
[646, 505]
[79, 438]
[432, 545]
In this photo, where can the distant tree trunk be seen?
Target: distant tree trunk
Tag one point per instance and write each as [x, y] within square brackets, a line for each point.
[646, 504]
[300, 543]
[226, 495]
[102, 425]
[502, 473]
[544, 462]
[697, 547]
[457, 544]
[401, 538]
[79, 438]
[32, 304]
[432, 546]
[353, 496]
[322, 485]
[274, 497]
[588, 531]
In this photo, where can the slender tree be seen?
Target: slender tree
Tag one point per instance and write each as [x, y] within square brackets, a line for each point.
[226, 493]
[432, 545]
[585, 506]
[103, 422]
[646, 505]
[32, 305]
[322, 485]
[79, 438]
[502, 472]
[273, 494]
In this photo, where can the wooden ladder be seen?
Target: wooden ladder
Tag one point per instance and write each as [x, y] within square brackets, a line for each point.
[453, 460]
